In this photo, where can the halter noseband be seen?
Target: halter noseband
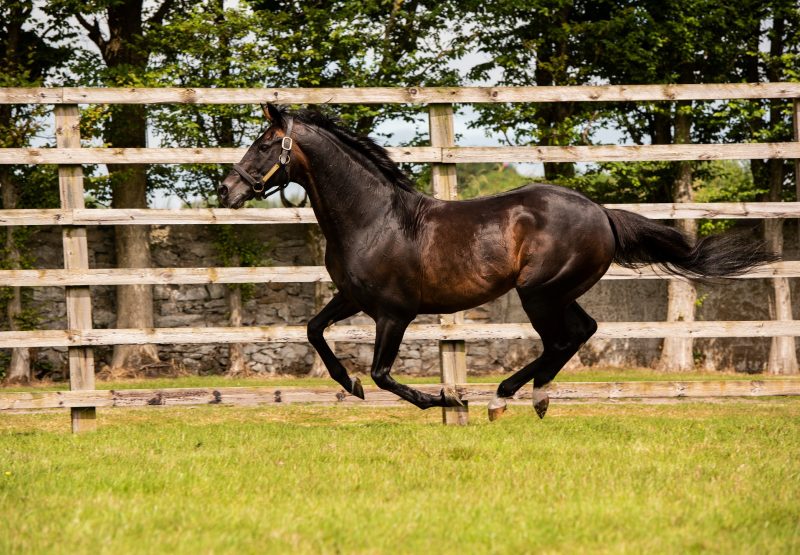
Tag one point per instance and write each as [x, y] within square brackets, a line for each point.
[259, 186]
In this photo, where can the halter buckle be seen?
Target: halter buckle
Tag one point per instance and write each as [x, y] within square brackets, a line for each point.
[286, 143]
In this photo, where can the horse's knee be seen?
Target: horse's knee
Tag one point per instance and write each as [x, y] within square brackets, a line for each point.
[315, 330]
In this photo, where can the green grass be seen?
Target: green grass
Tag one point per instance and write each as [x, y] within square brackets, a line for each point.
[578, 375]
[608, 478]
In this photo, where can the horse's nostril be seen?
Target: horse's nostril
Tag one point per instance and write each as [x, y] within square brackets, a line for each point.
[222, 191]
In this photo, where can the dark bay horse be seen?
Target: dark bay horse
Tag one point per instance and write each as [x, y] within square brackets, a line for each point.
[394, 252]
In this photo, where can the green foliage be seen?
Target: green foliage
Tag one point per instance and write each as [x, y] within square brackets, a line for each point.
[232, 247]
[372, 43]
[206, 46]
[723, 181]
[29, 56]
[31, 52]
[343, 43]
[541, 43]
[486, 179]
[240, 246]
[625, 182]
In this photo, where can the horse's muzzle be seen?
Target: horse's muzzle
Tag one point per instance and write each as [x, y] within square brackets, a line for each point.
[231, 196]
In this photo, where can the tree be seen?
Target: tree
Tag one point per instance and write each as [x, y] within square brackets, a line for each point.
[372, 43]
[120, 30]
[775, 24]
[210, 46]
[655, 41]
[536, 43]
[26, 59]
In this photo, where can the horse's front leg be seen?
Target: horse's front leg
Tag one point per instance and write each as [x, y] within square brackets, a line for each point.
[388, 336]
[337, 309]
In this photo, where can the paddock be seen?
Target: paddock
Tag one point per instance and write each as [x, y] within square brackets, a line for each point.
[304, 478]
[443, 154]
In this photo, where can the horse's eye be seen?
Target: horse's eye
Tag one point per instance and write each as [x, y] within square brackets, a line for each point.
[263, 147]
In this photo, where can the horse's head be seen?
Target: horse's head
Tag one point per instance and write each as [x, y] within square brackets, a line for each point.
[264, 169]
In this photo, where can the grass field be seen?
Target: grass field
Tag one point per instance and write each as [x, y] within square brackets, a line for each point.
[608, 478]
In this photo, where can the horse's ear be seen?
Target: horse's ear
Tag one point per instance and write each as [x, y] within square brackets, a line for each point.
[273, 114]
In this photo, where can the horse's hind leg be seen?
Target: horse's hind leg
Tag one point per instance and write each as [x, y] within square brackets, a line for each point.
[337, 309]
[388, 336]
[563, 330]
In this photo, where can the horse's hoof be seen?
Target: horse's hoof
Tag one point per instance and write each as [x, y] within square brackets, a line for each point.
[496, 408]
[541, 407]
[451, 398]
[358, 389]
[541, 400]
[494, 414]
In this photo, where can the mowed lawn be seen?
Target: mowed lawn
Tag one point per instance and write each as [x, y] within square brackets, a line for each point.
[600, 478]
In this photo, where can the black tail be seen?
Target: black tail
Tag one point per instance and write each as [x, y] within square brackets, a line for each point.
[641, 241]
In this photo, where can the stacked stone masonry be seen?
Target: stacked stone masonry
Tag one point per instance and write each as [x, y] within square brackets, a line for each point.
[293, 303]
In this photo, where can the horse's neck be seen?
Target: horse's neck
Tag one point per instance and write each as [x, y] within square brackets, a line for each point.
[348, 196]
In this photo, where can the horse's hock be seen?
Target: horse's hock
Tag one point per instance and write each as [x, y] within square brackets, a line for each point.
[188, 299]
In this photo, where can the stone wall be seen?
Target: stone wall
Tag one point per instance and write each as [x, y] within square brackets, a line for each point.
[293, 303]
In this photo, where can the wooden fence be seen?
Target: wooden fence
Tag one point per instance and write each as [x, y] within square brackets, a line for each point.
[655, 391]
[76, 277]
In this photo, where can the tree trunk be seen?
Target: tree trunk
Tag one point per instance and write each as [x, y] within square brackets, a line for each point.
[237, 363]
[13, 65]
[322, 293]
[676, 352]
[782, 354]
[125, 47]
[132, 243]
[19, 369]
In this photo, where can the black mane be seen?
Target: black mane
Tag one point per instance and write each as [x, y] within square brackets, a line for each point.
[361, 143]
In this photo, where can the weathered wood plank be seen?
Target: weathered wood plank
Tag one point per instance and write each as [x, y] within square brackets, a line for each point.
[711, 210]
[452, 354]
[76, 258]
[474, 393]
[276, 274]
[263, 216]
[163, 276]
[140, 216]
[170, 155]
[397, 95]
[620, 153]
[789, 268]
[366, 334]
[432, 154]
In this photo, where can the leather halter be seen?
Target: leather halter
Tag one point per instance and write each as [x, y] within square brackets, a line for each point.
[259, 186]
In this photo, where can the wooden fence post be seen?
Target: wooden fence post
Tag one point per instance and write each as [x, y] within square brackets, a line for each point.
[452, 354]
[76, 256]
[796, 128]
[782, 353]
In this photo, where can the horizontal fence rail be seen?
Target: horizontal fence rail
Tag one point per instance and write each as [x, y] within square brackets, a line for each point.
[474, 393]
[366, 334]
[422, 154]
[279, 274]
[399, 95]
[263, 216]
